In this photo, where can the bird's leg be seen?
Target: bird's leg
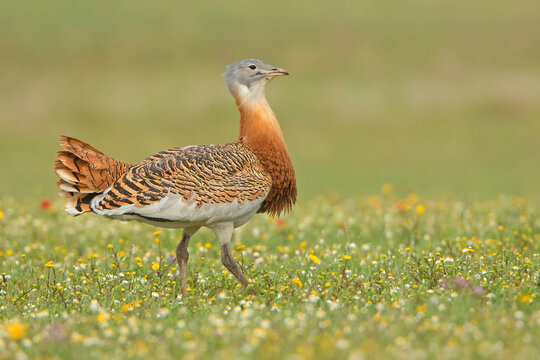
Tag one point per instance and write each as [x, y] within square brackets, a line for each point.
[182, 257]
[224, 233]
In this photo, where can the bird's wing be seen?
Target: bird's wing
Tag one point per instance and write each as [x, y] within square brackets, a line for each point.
[194, 176]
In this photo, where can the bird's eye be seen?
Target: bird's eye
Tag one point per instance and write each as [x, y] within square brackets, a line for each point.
[252, 67]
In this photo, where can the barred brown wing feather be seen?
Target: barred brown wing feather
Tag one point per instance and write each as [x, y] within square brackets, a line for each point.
[208, 174]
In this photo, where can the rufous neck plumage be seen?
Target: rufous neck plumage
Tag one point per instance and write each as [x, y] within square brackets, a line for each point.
[260, 133]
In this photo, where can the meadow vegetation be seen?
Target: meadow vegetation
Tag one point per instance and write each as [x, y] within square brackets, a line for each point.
[438, 98]
[382, 277]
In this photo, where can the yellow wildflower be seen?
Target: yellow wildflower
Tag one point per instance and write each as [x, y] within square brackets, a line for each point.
[526, 298]
[156, 240]
[155, 266]
[387, 189]
[314, 258]
[157, 233]
[77, 338]
[49, 264]
[1, 214]
[208, 245]
[303, 244]
[16, 331]
[103, 317]
[412, 199]
[420, 209]
[375, 202]
[240, 247]
[297, 282]
[347, 257]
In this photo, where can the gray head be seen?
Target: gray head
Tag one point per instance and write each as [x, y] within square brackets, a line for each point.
[248, 77]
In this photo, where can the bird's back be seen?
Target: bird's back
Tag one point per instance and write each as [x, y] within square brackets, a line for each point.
[189, 185]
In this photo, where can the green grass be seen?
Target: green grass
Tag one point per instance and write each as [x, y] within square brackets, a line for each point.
[381, 277]
[436, 97]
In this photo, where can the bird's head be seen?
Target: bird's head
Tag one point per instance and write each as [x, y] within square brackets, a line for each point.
[247, 78]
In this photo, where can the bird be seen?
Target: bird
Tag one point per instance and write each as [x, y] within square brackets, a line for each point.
[220, 187]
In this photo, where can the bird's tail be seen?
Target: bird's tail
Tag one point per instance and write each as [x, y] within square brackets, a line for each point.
[84, 172]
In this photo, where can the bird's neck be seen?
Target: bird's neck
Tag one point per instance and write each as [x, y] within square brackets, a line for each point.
[261, 134]
[258, 125]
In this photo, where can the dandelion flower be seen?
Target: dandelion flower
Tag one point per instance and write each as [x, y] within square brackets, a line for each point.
[314, 258]
[297, 282]
[347, 257]
[49, 264]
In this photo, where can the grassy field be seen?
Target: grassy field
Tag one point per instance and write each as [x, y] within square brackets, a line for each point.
[440, 99]
[377, 278]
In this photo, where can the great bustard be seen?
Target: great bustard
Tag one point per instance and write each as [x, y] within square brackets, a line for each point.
[217, 186]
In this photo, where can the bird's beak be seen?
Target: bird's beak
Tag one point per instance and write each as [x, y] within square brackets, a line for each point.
[277, 72]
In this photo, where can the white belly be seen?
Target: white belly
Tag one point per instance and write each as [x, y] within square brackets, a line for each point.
[173, 212]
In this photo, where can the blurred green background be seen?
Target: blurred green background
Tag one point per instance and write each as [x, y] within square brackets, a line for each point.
[436, 97]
